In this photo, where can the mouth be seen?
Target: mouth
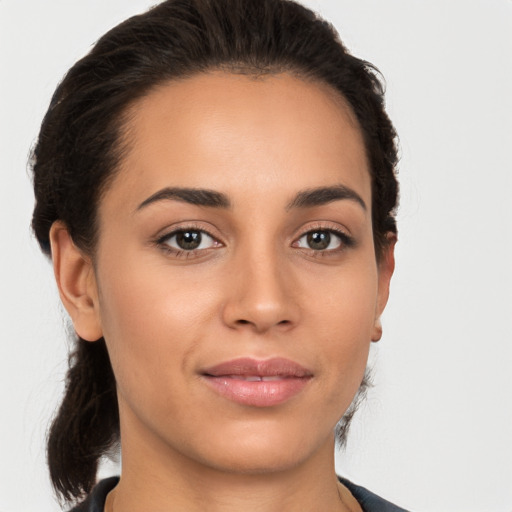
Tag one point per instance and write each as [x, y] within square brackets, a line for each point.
[257, 383]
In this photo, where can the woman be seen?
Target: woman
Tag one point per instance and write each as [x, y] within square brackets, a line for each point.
[215, 186]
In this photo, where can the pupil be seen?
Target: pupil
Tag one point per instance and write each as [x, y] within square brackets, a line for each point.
[188, 240]
[319, 240]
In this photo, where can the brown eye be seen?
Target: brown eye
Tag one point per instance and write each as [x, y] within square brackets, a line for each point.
[318, 240]
[321, 240]
[189, 240]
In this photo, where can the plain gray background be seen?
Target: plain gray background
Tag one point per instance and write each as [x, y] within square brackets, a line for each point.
[436, 431]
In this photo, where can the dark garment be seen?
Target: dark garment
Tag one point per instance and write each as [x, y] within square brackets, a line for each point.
[95, 502]
[369, 502]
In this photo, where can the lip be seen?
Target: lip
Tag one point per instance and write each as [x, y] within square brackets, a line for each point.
[257, 383]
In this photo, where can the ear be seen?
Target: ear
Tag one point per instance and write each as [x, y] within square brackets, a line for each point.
[76, 281]
[386, 267]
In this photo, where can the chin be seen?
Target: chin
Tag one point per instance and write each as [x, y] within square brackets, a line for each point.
[264, 451]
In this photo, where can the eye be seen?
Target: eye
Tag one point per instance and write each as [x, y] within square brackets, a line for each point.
[188, 240]
[323, 240]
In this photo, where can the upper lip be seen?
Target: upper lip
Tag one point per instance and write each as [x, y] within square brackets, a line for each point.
[277, 366]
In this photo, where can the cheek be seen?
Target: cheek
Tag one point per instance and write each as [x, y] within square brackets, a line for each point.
[344, 302]
[151, 323]
[156, 319]
[344, 315]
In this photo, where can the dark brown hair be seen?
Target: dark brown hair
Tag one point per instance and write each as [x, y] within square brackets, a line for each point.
[79, 149]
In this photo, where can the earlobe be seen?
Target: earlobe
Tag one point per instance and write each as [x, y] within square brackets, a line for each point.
[76, 282]
[386, 268]
[377, 330]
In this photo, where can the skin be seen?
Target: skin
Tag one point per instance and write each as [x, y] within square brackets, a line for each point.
[255, 288]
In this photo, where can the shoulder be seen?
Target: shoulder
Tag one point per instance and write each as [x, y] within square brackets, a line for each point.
[95, 502]
[369, 501]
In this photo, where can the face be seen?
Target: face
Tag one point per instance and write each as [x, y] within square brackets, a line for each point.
[235, 277]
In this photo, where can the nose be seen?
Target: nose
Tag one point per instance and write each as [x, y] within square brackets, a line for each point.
[261, 294]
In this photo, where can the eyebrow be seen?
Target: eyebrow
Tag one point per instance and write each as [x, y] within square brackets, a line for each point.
[196, 196]
[323, 195]
[213, 199]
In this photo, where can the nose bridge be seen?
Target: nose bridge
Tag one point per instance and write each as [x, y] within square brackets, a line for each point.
[260, 289]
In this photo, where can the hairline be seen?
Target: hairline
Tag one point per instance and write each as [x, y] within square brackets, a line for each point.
[125, 135]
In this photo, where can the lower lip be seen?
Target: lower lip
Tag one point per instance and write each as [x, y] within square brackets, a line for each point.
[257, 393]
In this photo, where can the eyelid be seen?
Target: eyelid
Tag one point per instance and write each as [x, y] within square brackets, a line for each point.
[346, 239]
[204, 234]
[186, 225]
[161, 239]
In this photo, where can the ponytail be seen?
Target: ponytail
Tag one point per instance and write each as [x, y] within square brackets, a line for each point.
[87, 423]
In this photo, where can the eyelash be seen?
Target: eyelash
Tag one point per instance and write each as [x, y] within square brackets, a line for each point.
[346, 242]
[163, 242]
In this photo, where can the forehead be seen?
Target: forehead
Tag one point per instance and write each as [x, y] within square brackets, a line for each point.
[239, 133]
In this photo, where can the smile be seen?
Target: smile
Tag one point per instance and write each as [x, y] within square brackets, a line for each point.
[256, 383]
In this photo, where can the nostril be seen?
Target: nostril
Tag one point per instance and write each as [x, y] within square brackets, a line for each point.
[261, 326]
